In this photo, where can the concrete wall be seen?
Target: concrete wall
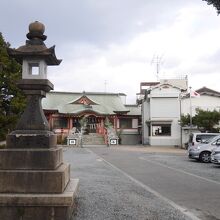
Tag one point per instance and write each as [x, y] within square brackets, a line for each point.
[164, 141]
[130, 139]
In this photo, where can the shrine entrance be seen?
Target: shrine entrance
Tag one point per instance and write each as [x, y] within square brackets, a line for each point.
[92, 123]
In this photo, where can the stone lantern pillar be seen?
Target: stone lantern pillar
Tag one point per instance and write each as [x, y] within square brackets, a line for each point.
[35, 183]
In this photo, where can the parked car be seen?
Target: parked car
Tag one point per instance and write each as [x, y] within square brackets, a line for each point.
[203, 151]
[215, 156]
[197, 138]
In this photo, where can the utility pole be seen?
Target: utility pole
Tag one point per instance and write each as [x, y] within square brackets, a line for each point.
[190, 106]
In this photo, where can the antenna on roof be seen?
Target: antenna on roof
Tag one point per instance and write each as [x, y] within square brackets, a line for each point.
[105, 86]
[157, 60]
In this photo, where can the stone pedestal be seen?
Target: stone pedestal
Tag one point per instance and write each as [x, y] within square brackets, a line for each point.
[35, 184]
[33, 158]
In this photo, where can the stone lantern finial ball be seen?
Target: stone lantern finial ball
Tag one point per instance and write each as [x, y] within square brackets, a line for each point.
[36, 27]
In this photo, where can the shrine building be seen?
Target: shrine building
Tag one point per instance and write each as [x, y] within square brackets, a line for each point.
[64, 110]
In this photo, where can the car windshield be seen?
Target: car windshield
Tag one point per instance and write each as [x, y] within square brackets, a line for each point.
[207, 141]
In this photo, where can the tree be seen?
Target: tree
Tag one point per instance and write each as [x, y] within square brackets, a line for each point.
[206, 121]
[185, 120]
[12, 101]
[215, 3]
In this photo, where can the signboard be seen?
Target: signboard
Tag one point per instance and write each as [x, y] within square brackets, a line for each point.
[72, 141]
[113, 141]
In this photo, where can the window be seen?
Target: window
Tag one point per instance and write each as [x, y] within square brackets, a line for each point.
[202, 137]
[161, 130]
[60, 123]
[34, 69]
[217, 142]
[125, 123]
[76, 124]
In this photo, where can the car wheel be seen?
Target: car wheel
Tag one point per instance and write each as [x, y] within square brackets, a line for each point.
[205, 157]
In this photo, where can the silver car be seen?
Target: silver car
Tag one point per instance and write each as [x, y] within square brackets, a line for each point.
[215, 156]
[198, 138]
[203, 151]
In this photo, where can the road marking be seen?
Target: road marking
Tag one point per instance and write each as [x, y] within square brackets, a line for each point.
[170, 202]
[178, 170]
[99, 159]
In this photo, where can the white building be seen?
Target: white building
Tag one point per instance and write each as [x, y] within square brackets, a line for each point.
[163, 103]
[161, 115]
[208, 100]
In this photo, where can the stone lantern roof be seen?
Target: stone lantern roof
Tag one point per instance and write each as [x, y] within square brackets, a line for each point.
[35, 47]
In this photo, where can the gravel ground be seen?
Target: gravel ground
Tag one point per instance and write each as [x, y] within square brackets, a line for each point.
[105, 193]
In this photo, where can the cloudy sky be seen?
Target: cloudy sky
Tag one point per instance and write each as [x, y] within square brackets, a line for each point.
[109, 45]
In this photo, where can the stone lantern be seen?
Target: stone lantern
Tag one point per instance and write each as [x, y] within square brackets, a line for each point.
[35, 183]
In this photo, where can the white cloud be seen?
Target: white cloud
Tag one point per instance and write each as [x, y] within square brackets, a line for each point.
[115, 41]
[124, 66]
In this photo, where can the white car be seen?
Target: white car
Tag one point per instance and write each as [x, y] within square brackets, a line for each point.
[197, 138]
[215, 156]
[203, 151]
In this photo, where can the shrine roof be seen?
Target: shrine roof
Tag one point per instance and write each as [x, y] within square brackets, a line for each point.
[100, 103]
[133, 109]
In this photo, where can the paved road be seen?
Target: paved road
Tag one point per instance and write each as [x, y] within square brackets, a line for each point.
[188, 184]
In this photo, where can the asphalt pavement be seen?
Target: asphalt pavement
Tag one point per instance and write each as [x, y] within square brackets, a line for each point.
[187, 183]
[107, 193]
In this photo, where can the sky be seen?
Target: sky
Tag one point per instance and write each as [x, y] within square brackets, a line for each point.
[113, 45]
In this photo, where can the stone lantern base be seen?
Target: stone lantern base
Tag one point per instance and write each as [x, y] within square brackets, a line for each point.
[34, 181]
[39, 206]
[35, 184]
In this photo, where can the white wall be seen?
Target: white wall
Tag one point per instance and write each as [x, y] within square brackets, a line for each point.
[164, 107]
[205, 102]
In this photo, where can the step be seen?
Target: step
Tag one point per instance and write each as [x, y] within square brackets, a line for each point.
[94, 145]
[93, 139]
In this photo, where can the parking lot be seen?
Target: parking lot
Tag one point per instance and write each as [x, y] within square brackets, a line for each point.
[183, 163]
[172, 175]
[107, 193]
